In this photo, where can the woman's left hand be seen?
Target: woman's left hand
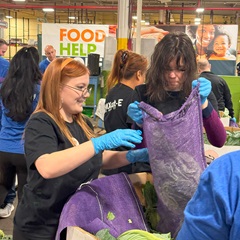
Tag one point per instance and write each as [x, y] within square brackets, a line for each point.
[139, 155]
[204, 88]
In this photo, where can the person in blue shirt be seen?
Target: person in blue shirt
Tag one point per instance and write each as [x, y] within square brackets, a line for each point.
[50, 54]
[6, 207]
[18, 98]
[213, 213]
[4, 64]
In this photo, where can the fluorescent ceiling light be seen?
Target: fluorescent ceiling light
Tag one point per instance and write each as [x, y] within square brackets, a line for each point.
[72, 17]
[48, 9]
[8, 16]
[200, 10]
[134, 17]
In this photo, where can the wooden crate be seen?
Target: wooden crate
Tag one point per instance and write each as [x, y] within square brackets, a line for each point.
[76, 233]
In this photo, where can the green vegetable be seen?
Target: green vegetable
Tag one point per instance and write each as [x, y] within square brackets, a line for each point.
[151, 199]
[110, 216]
[1, 233]
[104, 234]
[142, 235]
[133, 234]
[150, 195]
[233, 138]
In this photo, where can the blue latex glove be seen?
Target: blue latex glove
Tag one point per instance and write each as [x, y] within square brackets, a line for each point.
[233, 122]
[139, 155]
[117, 138]
[233, 119]
[204, 88]
[135, 113]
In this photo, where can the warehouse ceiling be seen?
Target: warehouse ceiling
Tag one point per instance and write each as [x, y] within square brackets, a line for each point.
[105, 11]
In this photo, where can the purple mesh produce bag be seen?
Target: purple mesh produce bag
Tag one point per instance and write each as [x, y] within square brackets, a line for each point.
[106, 203]
[176, 153]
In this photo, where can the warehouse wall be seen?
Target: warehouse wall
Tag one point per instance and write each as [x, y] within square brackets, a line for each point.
[234, 85]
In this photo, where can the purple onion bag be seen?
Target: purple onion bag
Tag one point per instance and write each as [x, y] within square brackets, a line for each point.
[176, 153]
[90, 206]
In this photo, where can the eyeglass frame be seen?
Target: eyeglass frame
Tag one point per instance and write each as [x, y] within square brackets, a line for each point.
[84, 90]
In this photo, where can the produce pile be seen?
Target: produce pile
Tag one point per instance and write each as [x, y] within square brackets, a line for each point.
[4, 237]
[152, 217]
[133, 235]
[233, 138]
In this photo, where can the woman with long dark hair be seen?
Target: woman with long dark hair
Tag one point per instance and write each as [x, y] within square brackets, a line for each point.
[18, 98]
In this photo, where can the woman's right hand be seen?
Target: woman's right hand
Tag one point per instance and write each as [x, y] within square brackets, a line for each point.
[117, 138]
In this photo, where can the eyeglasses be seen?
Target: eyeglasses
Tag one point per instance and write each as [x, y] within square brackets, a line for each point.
[80, 89]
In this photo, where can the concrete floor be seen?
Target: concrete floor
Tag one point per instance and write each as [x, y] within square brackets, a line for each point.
[6, 224]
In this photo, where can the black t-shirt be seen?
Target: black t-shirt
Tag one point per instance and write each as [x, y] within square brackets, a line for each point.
[221, 91]
[43, 199]
[117, 101]
[116, 105]
[173, 102]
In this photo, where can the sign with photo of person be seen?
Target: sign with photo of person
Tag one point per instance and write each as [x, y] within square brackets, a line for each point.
[217, 43]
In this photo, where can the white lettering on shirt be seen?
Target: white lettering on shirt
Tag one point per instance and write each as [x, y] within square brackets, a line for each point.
[113, 105]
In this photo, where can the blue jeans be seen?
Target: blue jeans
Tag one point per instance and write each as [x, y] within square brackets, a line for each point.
[10, 196]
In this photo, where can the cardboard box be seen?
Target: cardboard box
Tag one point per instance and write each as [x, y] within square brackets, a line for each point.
[76, 233]
[138, 180]
[232, 129]
[225, 121]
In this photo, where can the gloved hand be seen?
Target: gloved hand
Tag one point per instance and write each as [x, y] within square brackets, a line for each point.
[139, 155]
[204, 88]
[233, 122]
[135, 113]
[117, 138]
[233, 119]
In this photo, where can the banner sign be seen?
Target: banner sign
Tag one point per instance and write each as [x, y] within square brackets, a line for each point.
[74, 40]
[217, 43]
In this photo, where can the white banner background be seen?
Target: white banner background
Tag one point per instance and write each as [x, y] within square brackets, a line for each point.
[74, 40]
